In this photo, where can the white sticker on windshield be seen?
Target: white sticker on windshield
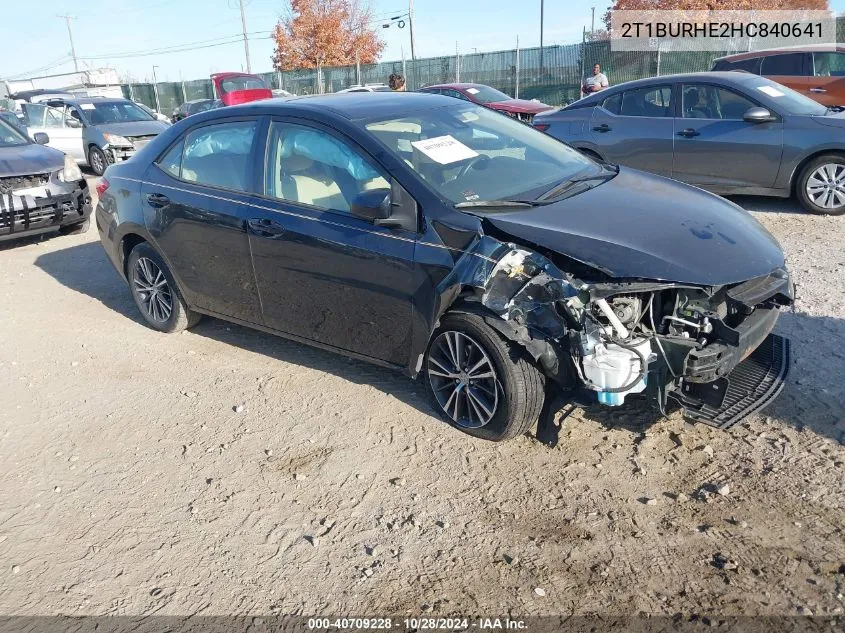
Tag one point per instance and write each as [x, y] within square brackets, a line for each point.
[404, 145]
[473, 91]
[468, 116]
[771, 91]
[87, 106]
[444, 149]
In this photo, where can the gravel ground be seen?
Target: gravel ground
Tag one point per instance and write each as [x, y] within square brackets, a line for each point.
[130, 484]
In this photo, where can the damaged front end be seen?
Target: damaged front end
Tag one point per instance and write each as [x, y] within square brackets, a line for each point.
[708, 348]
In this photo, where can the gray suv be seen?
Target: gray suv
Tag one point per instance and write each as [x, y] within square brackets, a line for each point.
[93, 131]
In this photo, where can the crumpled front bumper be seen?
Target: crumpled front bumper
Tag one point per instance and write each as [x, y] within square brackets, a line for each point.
[750, 386]
[44, 207]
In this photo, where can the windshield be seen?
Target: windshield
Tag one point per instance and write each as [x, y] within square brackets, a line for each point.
[469, 153]
[114, 112]
[790, 101]
[9, 136]
[242, 83]
[486, 94]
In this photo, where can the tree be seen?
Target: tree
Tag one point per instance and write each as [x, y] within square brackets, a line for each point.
[317, 33]
[713, 5]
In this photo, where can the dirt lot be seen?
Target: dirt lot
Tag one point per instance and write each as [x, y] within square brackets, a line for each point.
[129, 484]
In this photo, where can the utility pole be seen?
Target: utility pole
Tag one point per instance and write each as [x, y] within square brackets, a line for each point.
[411, 27]
[542, 11]
[246, 41]
[67, 19]
[593, 23]
[155, 89]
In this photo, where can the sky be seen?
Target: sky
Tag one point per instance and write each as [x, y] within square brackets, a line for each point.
[114, 33]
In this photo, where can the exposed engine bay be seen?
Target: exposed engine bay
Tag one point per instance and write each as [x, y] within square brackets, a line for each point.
[618, 338]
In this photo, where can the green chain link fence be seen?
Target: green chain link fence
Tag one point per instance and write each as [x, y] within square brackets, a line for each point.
[553, 74]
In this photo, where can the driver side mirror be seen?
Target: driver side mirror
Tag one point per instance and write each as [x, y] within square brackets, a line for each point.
[41, 138]
[74, 123]
[372, 205]
[758, 114]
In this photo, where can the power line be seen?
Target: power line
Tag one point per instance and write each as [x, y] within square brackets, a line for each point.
[178, 48]
[59, 61]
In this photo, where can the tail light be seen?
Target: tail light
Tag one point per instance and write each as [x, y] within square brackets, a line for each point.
[542, 126]
[102, 185]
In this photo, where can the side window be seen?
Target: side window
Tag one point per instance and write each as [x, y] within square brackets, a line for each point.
[791, 64]
[54, 118]
[218, 155]
[612, 104]
[705, 101]
[647, 102]
[829, 64]
[73, 113]
[171, 162]
[751, 65]
[309, 166]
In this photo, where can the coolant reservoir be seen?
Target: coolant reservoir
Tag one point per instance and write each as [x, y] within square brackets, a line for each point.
[611, 366]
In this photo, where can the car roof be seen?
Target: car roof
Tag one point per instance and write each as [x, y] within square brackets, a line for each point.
[805, 48]
[349, 105]
[730, 77]
[458, 86]
[79, 100]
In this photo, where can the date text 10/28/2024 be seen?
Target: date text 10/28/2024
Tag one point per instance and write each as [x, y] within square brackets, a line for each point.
[417, 624]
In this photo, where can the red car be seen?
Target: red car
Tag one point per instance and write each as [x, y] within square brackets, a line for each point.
[235, 88]
[521, 109]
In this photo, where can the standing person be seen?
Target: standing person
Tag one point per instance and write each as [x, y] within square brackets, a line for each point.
[396, 82]
[597, 82]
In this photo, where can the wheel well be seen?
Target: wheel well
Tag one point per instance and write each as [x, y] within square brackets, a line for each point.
[794, 178]
[128, 242]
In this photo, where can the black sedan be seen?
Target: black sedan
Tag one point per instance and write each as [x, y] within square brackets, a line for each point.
[191, 107]
[40, 187]
[728, 132]
[439, 238]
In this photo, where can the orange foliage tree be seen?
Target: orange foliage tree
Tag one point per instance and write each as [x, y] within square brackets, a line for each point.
[317, 33]
[713, 5]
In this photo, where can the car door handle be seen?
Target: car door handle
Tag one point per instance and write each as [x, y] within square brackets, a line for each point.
[158, 200]
[604, 127]
[817, 90]
[688, 133]
[264, 227]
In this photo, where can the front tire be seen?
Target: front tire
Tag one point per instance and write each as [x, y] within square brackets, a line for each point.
[480, 383]
[75, 229]
[155, 293]
[97, 160]
[821, 185]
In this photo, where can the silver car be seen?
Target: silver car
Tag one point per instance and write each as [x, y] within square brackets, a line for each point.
[93, 131]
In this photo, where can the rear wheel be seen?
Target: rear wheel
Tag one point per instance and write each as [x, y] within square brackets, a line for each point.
[97, 160]
[821, 185]
[75, 229]
[480, 383]
[155, 292]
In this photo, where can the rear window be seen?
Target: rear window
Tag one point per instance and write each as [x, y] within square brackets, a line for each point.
[611, 104]
[751, 65]
[647, 102]
[242, 83]
[790, 64]
[218, 155]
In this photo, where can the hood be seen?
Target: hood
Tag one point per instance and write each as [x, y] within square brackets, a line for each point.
[639, 225]
[832, 119]
[520, 105]
[134, 128]
[31, 158]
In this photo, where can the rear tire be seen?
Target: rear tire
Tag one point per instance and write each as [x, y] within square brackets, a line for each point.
[97, 160]
[821, 185]
[464, 397]
[155, 292]
[77, 228]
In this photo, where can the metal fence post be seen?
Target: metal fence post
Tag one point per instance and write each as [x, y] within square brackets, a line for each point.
[516, 89]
